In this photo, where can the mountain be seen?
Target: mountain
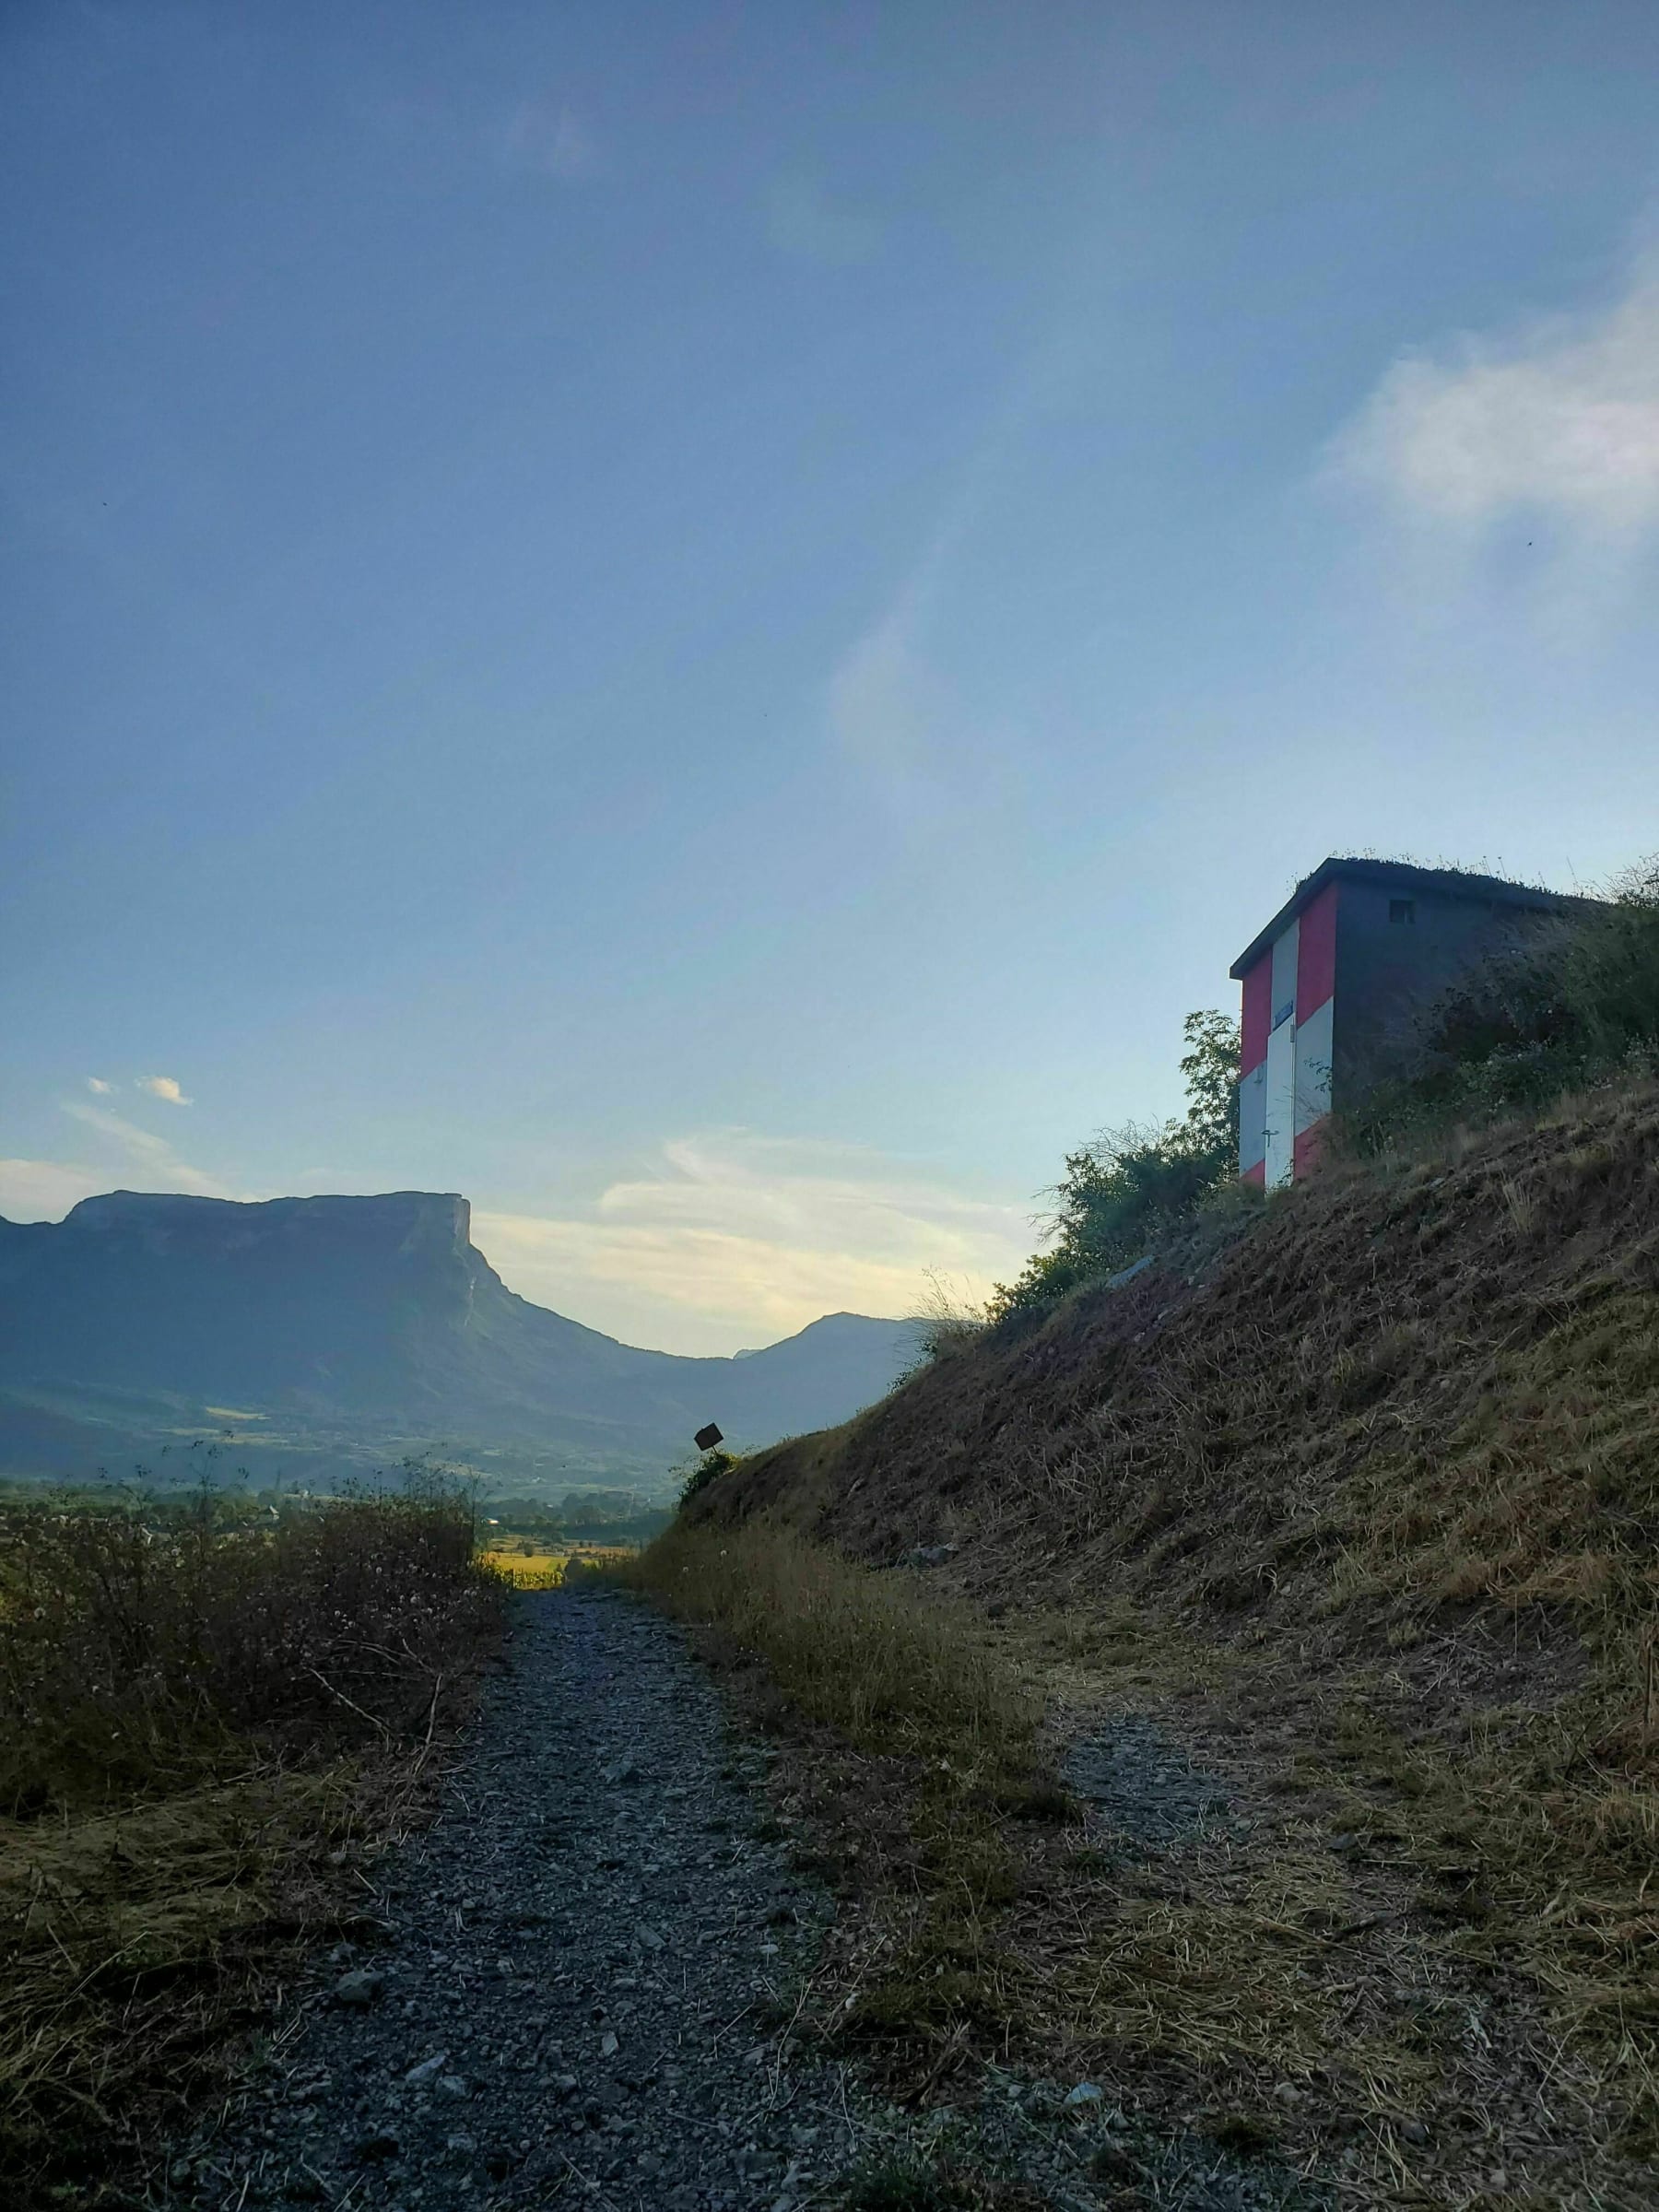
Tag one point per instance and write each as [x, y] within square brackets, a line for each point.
[315, 1331]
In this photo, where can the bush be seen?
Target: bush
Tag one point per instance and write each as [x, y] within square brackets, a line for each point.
[945, 1322]
[1571, 1004]
[709, 1468]
[139, 1641]
[207, 1711]
[1134, 1187]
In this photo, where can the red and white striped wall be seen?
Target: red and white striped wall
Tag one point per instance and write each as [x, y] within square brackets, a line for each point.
[1285, 1064]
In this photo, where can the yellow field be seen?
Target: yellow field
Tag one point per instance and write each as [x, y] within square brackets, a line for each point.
[532, 1569]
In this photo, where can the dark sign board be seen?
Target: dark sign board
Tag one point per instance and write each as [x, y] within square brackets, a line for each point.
[706, 1439]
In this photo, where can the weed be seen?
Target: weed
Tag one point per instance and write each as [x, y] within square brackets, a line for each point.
[207, 1722]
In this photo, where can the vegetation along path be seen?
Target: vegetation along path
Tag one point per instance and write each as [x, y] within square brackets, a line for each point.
[587, 1990]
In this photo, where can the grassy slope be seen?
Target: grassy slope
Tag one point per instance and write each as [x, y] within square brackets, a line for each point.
[1363, 1498]
[1398, 1392]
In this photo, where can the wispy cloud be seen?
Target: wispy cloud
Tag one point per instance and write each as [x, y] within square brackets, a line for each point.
[732, 1237]
[804, 221]
[1556, 423]
[159, 1087]
[890, 706]
[97, 1084]
[888, 710]
[146, 1153]
[546, 137]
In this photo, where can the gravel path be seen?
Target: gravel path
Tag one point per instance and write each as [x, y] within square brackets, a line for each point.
[584, 1991]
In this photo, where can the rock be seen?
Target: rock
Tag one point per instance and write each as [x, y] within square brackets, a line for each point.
[621, 1770]
[427, 2070]
[648, 1938]
[564, 2086]
[461, 2144]
[608, 2045]
[359, 1988]
[452, 2085]
[1086, 2098]
[1413, 2131]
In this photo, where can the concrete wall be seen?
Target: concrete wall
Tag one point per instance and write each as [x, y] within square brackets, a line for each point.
[1385, 968]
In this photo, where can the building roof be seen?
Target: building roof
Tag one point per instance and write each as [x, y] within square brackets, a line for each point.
[1404, 875]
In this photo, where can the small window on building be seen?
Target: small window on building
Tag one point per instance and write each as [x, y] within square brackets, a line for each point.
[1402, 910]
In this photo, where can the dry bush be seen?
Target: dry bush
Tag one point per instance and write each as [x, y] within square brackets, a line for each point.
[203, 1720]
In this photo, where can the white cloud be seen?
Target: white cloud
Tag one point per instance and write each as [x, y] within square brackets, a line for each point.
[733, 1239]
[152, 1156]
[1558, 423]
[44, 1190]
[159, 1087]
[546, 138]
[801, 220]
[97, 1083]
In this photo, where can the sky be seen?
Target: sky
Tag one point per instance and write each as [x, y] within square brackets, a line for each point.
[705, 623]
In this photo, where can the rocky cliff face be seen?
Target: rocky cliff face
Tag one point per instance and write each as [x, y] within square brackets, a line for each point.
[377, 1309]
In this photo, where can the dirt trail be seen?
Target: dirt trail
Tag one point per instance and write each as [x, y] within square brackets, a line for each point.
[584, 1987]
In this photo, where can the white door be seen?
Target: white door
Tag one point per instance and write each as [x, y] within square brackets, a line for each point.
[1282, 1105]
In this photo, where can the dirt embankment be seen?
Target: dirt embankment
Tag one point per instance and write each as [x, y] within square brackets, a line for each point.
[1422, 1391]
[1357, 1501]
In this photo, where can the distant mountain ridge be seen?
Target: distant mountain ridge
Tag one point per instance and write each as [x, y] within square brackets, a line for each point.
[319, 1322]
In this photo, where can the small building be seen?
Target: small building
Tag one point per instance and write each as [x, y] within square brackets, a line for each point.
[1327, 982]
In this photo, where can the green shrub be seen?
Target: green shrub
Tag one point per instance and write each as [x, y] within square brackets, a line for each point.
[1134, 1187]
[708, 1469]
[1569, 1003]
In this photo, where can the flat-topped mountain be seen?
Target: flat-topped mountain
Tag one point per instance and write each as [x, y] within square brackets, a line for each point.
[297, 1318]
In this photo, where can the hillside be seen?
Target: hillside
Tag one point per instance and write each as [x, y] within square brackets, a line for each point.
[317, 1330]
[1347, 1512]
[1416, 1386]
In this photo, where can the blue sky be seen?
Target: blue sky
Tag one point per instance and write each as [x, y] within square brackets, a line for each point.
[706, 623]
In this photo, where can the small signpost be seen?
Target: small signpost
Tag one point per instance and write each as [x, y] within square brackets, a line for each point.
[706, 1439]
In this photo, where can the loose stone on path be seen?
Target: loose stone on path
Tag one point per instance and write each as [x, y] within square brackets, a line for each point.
[583, 1953]
[585, 1993]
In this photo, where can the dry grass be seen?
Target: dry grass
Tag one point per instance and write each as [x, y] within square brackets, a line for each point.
[210, 1723]
[857, 1650]
[1367, 1495]
[934, 1764]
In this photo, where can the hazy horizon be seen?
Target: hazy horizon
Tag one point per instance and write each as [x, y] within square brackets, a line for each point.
[707, 625]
